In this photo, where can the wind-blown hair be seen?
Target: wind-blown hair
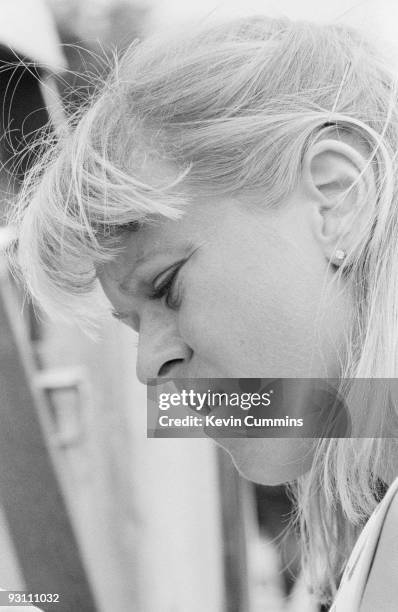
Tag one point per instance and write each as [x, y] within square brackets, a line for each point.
[231, 109]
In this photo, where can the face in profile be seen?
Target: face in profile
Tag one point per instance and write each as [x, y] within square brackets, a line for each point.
[233, 290]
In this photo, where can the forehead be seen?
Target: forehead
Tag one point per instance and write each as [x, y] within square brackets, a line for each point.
[202, 221]
[151, 240]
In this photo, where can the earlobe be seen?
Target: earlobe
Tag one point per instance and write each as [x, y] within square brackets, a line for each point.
[339, 181]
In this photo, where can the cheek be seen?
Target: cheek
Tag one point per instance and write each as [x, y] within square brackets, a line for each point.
[255, 319]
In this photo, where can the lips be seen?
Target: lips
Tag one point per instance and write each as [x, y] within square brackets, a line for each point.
[203, 395]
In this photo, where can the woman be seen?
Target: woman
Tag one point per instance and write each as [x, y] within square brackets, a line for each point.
[233, 191]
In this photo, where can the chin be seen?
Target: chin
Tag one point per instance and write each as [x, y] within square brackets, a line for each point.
[266, 461]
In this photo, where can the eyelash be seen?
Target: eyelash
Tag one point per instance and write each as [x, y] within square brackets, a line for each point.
[166, 289]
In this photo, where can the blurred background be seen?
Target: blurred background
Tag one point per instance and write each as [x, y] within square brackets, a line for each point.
[89, 507]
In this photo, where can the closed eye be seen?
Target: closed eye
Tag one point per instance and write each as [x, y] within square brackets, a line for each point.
[168, 288]
[120, 316]
[127, 318]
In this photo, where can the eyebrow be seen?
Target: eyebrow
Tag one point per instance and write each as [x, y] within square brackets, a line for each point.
[124, 284]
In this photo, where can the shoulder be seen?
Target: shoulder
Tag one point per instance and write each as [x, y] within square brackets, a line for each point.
[381, 591]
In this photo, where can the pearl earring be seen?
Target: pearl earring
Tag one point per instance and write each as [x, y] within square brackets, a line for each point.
[339, 256]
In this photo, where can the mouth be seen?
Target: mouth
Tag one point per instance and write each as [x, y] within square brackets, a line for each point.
[202, 395]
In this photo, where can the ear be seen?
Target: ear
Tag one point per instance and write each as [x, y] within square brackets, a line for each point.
[339, 181]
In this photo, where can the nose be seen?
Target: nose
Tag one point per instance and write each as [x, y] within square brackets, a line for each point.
[161, 351]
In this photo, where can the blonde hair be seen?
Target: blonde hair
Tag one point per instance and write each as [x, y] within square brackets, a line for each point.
[230, 109]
